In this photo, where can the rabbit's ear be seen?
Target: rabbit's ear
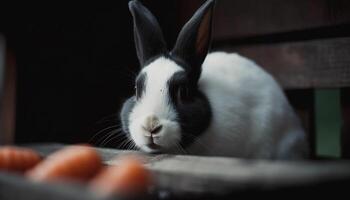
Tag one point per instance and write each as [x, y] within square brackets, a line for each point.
[194, 40]
[148, 35]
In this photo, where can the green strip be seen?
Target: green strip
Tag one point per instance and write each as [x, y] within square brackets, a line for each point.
[328, 122]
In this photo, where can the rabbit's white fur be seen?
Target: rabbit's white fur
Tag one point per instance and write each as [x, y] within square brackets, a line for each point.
[251, 116]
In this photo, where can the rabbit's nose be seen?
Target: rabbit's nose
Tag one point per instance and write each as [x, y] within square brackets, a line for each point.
[152, 125]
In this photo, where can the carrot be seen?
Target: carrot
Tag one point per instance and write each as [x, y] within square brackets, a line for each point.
[130, 177]
[75, 162]
[17, 159]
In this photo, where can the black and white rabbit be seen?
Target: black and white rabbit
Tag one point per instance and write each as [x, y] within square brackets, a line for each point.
[218, 104]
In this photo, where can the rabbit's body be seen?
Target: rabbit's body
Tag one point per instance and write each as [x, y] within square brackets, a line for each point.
[251, 115]
[187, 100]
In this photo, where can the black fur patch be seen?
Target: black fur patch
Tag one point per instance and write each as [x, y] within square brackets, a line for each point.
[194, 40]
[149, 41]
[192, 107]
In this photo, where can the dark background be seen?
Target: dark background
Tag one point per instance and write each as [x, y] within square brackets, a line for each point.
[75, 65]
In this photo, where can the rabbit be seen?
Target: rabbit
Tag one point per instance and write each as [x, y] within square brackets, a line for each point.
[190, 101]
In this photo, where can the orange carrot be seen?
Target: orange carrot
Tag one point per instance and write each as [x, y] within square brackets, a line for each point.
[17, 159]
[130, 177]
[75, 162]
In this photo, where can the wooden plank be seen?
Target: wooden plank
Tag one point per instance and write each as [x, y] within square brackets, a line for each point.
[185, 175]
[15, 187]
[305, 64]
[249, 18]
[345, 103]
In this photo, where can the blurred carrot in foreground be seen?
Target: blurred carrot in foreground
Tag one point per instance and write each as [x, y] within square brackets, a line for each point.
[78, 162]
[17, 159]
[130, 177]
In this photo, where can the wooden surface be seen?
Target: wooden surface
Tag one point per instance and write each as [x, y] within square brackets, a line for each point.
[245, 18]
[15, 187]
[182, 175]
[250, 18]
[193, 177]
[309, 64]
[304, 44]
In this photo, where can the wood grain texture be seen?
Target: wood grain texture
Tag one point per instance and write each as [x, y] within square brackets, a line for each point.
[246, 18]
[305, 64]
[189, 176]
